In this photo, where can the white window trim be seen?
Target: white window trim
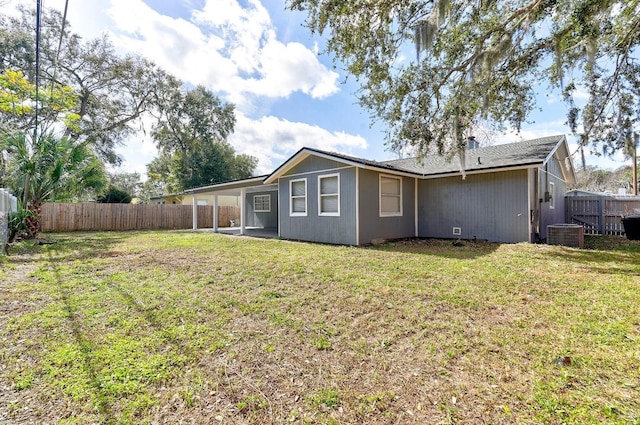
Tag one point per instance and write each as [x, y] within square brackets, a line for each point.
[291, 197]
[552, 194]
[388, 214]
[262, 197]
[320, 195]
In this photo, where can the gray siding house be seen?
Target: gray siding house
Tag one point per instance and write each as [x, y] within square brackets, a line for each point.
[509, 193]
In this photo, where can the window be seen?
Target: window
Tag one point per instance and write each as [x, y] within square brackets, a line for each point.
[202, 202]
[390, 196]
[552, 195]
[298, 193]
[329, 195]
[262, 203]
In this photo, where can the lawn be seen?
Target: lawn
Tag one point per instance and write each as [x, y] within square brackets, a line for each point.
[183, 327]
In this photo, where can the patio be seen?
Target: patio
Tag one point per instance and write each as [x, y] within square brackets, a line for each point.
[254, 232]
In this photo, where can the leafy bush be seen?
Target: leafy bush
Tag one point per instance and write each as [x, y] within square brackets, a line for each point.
[18, 224]
[114, 196]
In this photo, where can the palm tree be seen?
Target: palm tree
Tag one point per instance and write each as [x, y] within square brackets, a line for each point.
[50, 169]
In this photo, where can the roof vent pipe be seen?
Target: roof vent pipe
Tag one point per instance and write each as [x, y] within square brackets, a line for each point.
[472, 143]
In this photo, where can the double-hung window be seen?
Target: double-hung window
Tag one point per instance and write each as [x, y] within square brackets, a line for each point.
[298, 197]
[262, 203]
[390, 196]
[329, 195]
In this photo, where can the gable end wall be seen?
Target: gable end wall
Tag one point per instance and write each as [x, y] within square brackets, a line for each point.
[313, 227]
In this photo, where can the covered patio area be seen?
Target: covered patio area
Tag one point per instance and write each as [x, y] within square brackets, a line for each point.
[258, 206]
[254, 232]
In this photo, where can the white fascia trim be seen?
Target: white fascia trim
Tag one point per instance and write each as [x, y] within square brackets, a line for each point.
[302, 155]
[391, 172]
[325, 171]
[563, 165]
[211, 188]
[553, 151]
[485, 171]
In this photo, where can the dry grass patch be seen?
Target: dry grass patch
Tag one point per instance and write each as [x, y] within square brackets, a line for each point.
[163, 327]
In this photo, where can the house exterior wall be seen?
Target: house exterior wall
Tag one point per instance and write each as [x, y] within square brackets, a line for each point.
[262, 219]
[491, 206]
[313, 227]
[551, 211]
[372, 225]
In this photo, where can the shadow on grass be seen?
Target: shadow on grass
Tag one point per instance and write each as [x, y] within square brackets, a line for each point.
[63, 247]
[85, 347]
[447, 248]
[604, 255]
[104, 399]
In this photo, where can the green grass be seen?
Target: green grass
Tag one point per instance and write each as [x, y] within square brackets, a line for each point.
[153, 327]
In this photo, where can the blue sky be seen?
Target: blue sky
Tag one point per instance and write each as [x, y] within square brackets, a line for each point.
[257, 55]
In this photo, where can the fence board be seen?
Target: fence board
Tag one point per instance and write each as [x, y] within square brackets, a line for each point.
[600, 214]
[62, 217]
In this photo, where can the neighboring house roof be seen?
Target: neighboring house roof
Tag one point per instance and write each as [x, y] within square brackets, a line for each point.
[173, 195]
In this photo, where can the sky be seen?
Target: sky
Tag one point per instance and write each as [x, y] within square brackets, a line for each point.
[258, 55]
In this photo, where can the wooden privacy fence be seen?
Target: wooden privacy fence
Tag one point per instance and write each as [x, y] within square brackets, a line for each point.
[61, 217]
[600, 214]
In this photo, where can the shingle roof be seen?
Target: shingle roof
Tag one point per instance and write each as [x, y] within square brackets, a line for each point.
[369, 162]
[528, 152]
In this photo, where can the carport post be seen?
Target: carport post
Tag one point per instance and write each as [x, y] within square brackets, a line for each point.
[243, 195]
[195, 212]
[215, 213]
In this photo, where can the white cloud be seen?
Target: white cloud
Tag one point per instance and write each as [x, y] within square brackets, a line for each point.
[234, 51]
[230, 49]
[272, 140]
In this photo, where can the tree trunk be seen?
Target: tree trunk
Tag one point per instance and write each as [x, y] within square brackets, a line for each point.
[33, 222]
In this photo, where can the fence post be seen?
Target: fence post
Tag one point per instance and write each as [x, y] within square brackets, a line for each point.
[215, 213]
[601, 216]
[195, 212]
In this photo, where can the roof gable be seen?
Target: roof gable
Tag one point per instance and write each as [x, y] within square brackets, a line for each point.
[347, 160]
